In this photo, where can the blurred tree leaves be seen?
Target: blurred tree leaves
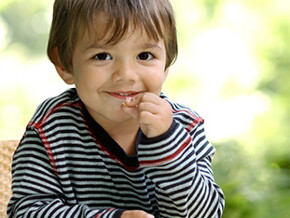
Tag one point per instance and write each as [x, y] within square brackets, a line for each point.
[27, 23]
[254, 168]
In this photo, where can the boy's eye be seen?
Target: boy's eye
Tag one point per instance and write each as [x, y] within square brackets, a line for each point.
[145, 56]
[102, 57]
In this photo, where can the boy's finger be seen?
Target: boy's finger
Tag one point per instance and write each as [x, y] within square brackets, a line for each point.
[151, 97]
[150, 107]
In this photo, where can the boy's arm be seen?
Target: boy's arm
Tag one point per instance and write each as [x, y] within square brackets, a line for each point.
[177, 157]
[179, 164]
[36, 189]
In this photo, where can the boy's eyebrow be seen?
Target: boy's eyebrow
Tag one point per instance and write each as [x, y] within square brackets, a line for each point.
[96, 45]
[142, 46]
[151, 46]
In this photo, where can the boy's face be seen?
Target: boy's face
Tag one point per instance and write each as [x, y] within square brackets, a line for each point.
[105, 75]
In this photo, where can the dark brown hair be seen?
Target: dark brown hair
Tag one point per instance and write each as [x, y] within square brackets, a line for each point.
[110, 20]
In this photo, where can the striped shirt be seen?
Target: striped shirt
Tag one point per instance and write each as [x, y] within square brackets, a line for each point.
[67, 165]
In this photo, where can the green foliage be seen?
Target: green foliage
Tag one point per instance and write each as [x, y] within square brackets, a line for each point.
[257, 183]
[28, 24]
[252, 187]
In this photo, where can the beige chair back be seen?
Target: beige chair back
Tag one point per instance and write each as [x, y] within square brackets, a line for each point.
[7, 149]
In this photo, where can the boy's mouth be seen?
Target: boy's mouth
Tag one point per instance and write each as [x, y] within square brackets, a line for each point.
[123, 95]
[126, 94]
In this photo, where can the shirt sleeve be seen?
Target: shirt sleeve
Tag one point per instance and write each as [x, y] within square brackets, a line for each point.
[36, 189]
[179, 164]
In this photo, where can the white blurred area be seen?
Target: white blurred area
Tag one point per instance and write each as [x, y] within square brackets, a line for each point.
[216, 74]
[224, 69]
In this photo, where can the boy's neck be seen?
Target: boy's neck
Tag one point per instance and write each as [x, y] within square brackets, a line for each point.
[124, 134]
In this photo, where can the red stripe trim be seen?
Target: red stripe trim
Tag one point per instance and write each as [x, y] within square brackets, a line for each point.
[166, 159]
[42, 135]
[48, 149]
[195, 121]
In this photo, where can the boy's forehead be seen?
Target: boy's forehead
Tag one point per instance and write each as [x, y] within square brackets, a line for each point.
[102, 36]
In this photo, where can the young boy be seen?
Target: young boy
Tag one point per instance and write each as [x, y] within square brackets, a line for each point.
[114, 146]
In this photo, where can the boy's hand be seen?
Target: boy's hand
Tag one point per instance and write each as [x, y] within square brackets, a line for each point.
[136, 214]
[153, 113]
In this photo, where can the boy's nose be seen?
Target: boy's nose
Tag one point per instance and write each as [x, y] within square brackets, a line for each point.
[125, 70]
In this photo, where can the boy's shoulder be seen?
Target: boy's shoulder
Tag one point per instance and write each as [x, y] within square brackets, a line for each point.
[67, 103]
[182, 113]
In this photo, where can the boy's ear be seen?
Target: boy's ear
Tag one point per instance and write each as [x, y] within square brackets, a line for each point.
[66, 76]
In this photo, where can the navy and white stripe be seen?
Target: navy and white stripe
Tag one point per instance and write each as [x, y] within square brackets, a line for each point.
[67, 166]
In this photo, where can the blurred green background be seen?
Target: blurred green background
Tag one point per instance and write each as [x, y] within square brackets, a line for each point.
[233, 68]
